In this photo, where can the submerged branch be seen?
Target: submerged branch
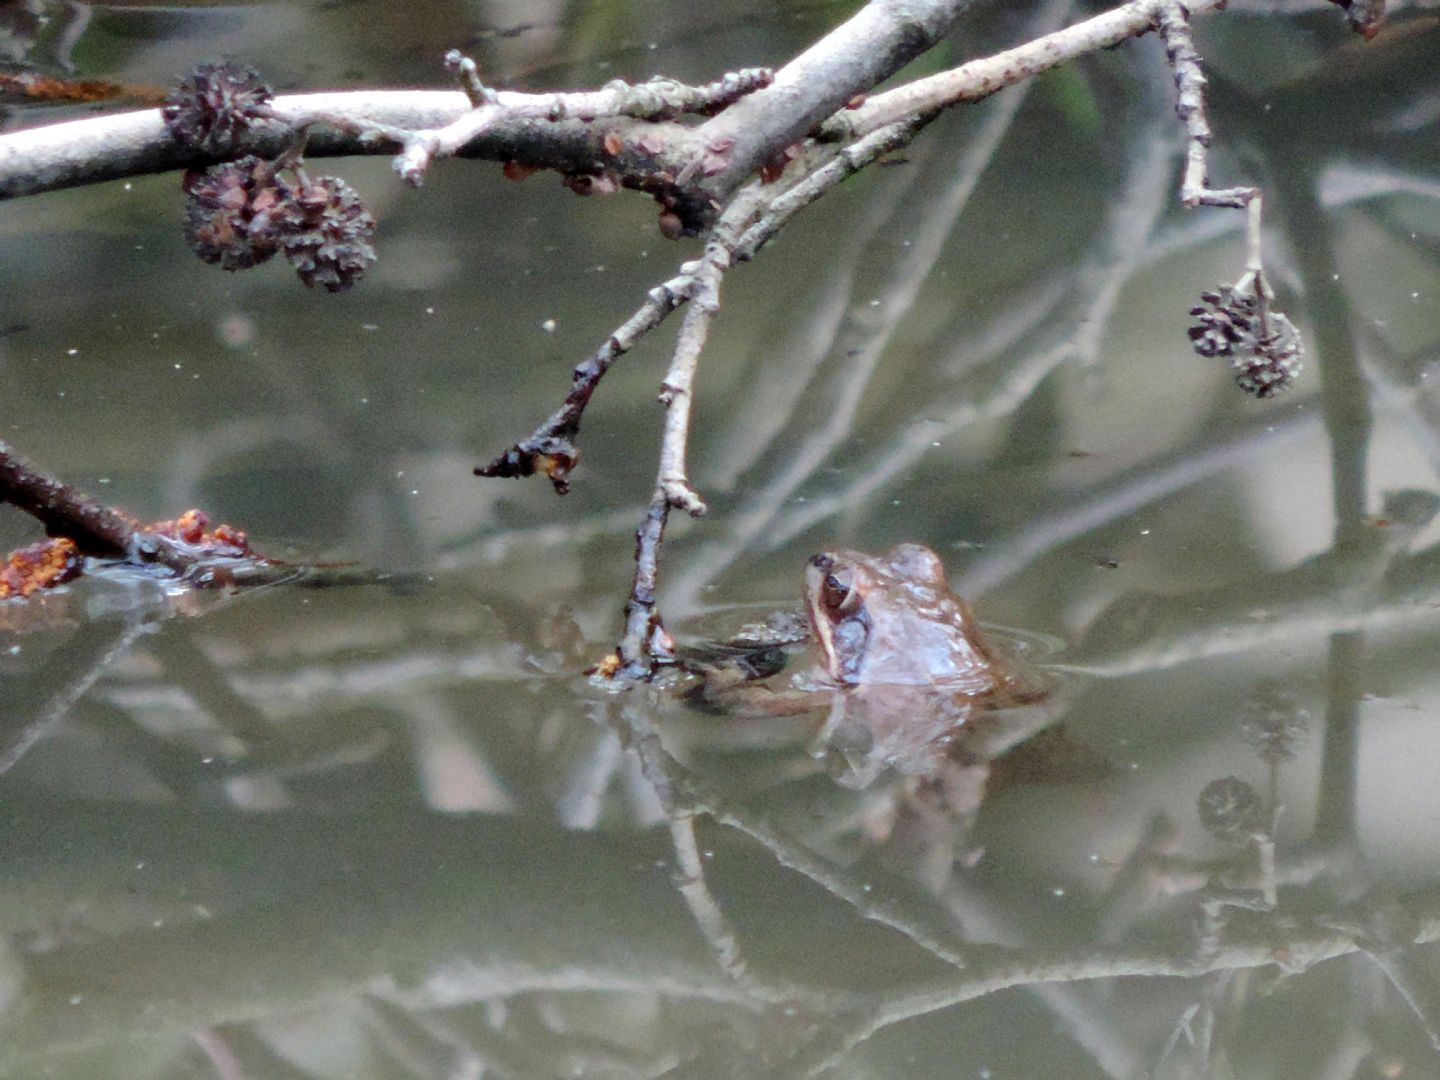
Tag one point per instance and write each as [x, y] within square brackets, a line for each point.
[186, 546]
[1263, 941]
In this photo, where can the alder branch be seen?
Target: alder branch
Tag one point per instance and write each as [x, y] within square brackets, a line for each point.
[644, 643]
[873, 44]
[880, 39]
[658, 99]
[978, 79]
[533, 129]
[861, 347]
[63, 510]
[626, 134]
[1195, 190]
[550, 449]
[366, 122]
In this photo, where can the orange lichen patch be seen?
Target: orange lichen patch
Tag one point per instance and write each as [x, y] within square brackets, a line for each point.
[39, 566]
[193, 527]
[606, 668]
[45, 88]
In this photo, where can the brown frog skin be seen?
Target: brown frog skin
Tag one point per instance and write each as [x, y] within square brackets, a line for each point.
[904, 660]
[892, 620]
[898, 660]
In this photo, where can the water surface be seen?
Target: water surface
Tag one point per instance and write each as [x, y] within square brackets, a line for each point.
[391, 830]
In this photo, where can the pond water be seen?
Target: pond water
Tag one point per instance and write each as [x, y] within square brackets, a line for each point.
[391, 830]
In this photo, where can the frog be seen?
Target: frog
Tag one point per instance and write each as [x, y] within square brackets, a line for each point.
[899, 665]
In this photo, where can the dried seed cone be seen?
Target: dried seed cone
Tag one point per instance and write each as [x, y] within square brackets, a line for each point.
[214, 106]
[1275, 361]
[1263, 346]
[1227, 320]
[231, 213]
[326, 232]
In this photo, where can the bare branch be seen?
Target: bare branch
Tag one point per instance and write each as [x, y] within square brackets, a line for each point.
[880, 39]
[841, 167]
[865, 335]
[645, 643]
[1173, 20]
[978, 79]
[655, 100]
[64, 511]
[364, 122]
[550, 448]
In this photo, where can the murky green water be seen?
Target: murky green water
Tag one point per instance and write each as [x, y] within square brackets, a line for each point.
[391, 831]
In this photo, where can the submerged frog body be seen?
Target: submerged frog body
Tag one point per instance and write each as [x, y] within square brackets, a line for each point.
[900, 664]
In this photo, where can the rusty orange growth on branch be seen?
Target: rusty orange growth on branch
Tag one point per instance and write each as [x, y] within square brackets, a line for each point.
[39, 566]
[192, 527]
[53, 562]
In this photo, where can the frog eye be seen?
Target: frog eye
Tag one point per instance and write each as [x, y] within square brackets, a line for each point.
[838, 594]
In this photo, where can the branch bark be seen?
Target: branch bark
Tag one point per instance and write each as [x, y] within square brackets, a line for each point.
[878, 41]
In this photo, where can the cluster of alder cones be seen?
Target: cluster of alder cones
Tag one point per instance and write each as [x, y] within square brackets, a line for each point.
[1262, 345]
[241, 213]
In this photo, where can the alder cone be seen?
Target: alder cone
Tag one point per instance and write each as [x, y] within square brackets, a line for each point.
[231, 213]
[1262, 345]
[325, 231]
[214, 106]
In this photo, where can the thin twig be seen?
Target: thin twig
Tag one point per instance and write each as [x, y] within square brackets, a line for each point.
[658, 99]
[978, 79]
[842, 166]
[550, 448]
[1173, 21]
[774, 392]
[467, 73]
[868, 329]
[644, 643]
[677, 391]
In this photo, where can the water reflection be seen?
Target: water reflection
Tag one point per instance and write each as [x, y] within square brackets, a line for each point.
[373, 832]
